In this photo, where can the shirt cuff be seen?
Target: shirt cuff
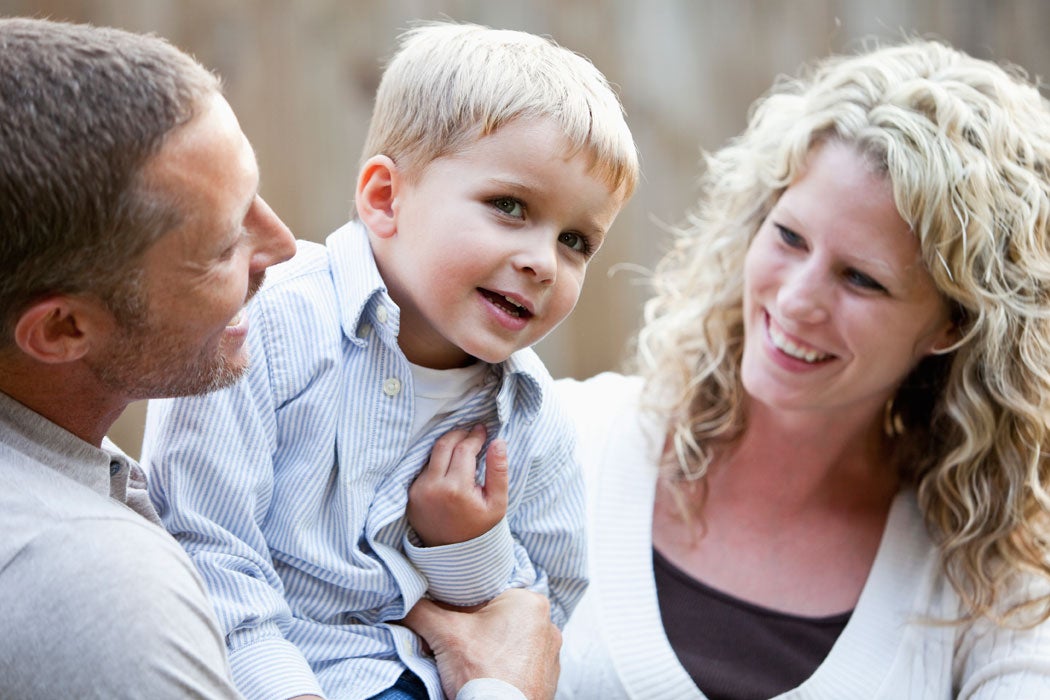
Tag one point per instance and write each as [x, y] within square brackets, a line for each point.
[273, 668]
[489, 689]
[467, 573]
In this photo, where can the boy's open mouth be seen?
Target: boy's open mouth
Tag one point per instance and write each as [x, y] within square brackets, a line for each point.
[510, 306]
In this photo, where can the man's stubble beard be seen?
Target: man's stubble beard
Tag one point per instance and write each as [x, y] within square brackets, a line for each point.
[146, 361]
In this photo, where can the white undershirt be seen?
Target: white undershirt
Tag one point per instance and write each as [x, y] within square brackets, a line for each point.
[439, 392]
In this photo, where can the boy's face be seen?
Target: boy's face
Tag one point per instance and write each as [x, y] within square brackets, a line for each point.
[492, 243]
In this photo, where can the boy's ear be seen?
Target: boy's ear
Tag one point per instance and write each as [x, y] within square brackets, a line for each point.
[57, 329]
[377, 190]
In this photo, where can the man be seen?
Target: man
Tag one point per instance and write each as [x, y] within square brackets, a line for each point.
[131, 237]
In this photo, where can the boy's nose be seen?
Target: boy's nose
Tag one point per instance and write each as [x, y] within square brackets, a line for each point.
[540, 261]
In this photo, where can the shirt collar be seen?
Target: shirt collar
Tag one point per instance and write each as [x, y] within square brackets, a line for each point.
[49, 444]
[355, 278]
[524, 377]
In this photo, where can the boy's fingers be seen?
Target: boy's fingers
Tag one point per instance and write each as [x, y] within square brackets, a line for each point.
[496, 474]
[442, 453]
[464, 461]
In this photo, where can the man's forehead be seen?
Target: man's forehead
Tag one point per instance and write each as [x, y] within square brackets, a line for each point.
[211, 151]
[208, 169]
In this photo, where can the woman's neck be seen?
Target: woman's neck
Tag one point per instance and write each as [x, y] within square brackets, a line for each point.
[790, 516]
[798, 461]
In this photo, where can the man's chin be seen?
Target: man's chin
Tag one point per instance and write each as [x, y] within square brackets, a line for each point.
[223, 373]
[172, 382]
[225, 376]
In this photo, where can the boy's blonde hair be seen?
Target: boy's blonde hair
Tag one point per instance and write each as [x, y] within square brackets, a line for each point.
[450, 84]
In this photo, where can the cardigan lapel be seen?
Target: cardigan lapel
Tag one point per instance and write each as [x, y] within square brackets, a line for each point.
[623, 563]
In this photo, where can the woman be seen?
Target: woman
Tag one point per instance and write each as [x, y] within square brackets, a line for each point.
[829, 480]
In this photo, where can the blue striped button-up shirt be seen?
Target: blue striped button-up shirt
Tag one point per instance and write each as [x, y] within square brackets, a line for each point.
[288, 490]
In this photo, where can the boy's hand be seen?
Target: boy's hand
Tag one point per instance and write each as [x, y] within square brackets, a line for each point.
[445, 503]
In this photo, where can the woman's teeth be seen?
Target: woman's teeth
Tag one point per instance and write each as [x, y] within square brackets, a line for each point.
[786, 346]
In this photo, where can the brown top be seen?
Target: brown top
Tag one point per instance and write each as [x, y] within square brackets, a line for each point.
[735, 650]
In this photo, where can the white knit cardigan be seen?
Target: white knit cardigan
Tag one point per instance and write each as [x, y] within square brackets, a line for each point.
[615, 647]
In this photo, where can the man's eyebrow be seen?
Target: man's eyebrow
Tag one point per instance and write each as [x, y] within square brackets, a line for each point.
[243, 212]
[258, 185]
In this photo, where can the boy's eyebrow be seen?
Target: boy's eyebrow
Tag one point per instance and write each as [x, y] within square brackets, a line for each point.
[519, 185]
[597, 235]
[511, 182]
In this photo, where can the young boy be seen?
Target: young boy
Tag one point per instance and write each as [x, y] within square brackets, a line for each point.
[495, 163]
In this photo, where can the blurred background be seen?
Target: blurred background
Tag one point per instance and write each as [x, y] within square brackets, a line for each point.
[301, 74]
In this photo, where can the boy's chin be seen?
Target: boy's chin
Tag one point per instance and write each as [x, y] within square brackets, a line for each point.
[493, 357]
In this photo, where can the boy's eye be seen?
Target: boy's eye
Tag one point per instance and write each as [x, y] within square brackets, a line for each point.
[575, 241]
[510, 207]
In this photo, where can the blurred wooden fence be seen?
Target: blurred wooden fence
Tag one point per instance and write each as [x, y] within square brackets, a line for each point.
[301, 73]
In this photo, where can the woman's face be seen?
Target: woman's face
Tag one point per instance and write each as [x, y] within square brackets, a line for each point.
[838, 307]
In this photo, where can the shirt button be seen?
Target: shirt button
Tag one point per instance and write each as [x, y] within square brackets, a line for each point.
[392, 386]
[363, 330]
[114, 467]
[381, 314]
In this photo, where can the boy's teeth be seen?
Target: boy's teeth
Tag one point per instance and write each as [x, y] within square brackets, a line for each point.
[236, 319]
[509, 305]
[790, 348]
[513, 308]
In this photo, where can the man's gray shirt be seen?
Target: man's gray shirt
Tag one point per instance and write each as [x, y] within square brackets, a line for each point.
[98, 601]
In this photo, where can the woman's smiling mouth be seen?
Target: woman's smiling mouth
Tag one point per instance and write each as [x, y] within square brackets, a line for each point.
[792, 349]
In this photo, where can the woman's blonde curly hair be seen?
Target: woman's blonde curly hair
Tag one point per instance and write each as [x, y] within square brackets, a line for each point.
[966, 146]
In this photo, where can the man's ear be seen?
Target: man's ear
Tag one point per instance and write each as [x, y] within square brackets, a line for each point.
[378, 186]
[57, 329]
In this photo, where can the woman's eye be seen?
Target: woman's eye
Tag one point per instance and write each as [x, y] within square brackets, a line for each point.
[575, 241]
[859, 279]
[510, 207]
[789, 237]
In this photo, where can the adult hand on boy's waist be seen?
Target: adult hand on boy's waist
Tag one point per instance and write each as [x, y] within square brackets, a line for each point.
[511, 639]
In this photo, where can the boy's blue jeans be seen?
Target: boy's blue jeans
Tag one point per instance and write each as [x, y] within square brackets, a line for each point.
[408, 687]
